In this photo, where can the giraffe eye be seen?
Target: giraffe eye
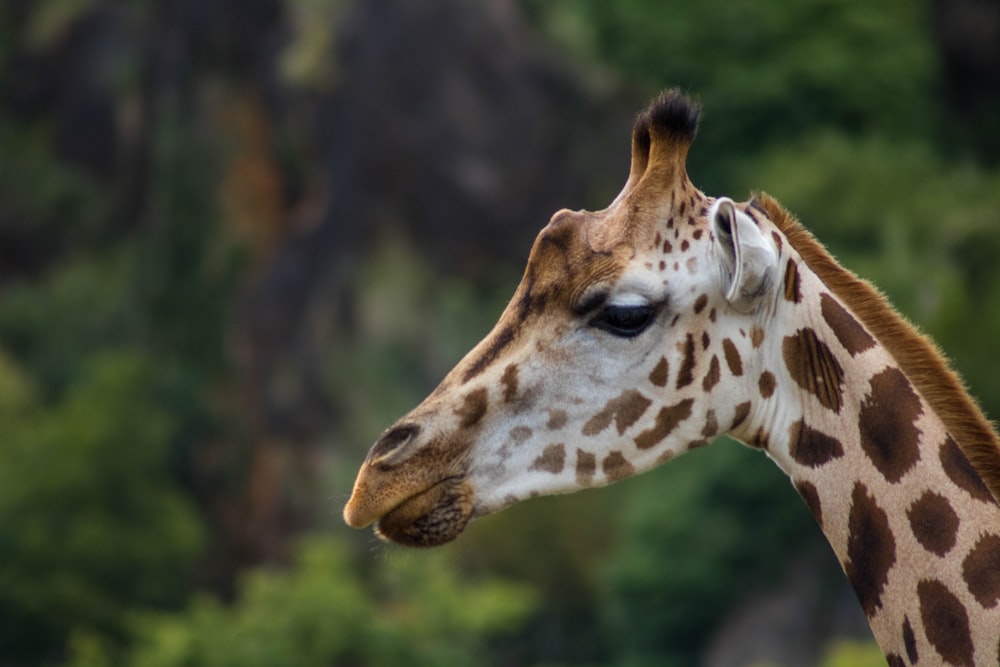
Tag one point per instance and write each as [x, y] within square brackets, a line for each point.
[624, 321]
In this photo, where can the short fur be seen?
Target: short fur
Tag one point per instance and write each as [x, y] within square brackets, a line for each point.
[918, 357]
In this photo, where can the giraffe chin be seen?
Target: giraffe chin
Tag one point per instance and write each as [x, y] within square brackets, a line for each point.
[430, 518]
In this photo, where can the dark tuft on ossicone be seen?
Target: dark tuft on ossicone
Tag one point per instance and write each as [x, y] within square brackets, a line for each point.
[674, 115]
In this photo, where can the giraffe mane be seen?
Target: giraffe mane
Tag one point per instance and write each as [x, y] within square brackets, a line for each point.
[918, 356]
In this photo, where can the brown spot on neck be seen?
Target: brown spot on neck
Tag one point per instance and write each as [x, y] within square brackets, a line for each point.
[871, 549]
[961, 472]
[810, 447]
[814, 367]
[909, 641]
[946, 622]
[934, 523]
[848, 330]
[981, 571]
[793, 291]
[887, 423]
[767, 384]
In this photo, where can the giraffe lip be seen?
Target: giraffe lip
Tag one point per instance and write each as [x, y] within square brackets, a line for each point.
[431, 517]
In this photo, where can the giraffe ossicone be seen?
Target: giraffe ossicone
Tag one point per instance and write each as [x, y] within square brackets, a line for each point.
[671, 317]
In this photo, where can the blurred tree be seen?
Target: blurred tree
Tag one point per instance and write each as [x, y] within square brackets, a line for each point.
[92, 522]
[415, 611]
[767, 72]
[699, 534]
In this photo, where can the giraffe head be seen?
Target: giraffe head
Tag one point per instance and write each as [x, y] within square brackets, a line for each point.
[605, 363]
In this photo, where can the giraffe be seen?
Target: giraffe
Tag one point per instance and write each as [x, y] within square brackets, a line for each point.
[669, 318]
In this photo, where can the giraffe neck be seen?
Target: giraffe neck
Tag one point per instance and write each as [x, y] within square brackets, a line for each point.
[887, 476]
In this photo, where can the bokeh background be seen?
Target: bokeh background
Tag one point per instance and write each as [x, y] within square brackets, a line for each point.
[238, 238]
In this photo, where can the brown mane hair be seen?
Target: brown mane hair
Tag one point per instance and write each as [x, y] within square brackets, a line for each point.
[918, 357]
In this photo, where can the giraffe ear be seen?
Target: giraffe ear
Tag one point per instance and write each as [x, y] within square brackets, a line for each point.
[748, 259]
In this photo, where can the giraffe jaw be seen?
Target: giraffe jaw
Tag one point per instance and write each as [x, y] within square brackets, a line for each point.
[428, 518]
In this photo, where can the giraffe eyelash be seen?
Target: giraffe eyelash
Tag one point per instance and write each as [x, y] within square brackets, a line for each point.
[625, 321]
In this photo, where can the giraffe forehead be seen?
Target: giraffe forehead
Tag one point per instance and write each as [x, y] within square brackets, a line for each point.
[634, 240]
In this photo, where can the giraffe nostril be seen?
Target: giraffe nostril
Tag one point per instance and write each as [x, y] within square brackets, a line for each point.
[392, 441]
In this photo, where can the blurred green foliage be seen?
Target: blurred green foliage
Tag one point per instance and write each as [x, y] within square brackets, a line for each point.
[415, 611]
[766, 72]
[674, 577]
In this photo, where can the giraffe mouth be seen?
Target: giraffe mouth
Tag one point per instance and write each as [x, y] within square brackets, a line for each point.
[430, 518]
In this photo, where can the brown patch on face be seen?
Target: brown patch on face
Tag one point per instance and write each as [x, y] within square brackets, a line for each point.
[705, 340]
[814, 368]
[625, 410]
[552, 459]
[909, 641]
[473, 408]
[586, 466]
[981, 570]
[667, 247]
[666, 421]
[509, 382]
[520, 433]
[946, 623]
[697, 232]
[713, 375]
[793, 292]
[733, 359]
[498, 342]
[849, 331]
[685, 245]
[756, 336]
[887, 422]
[557, 419]
[956, 465]
[615, 467]
[871, 549]
[686, 374]
[741, 414]
[700, 303]
[933, 522]
[766, 384]
[809, 494]
[711, 315]
[810, 447]
[660, 373]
